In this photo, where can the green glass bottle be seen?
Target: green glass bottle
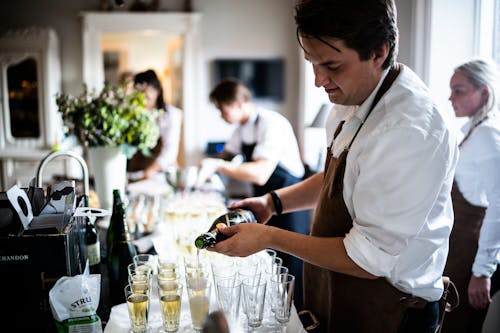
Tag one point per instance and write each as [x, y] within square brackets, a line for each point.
[230, 218]
[93, 246]
[121, 251]
[110, 235]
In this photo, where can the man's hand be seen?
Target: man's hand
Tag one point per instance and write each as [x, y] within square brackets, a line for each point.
[208, 167]
[479, 292]
[244, 239]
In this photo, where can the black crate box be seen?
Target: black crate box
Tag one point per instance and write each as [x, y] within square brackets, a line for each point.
[30, 265]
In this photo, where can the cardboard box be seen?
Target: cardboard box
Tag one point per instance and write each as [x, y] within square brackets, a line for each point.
[29, 267]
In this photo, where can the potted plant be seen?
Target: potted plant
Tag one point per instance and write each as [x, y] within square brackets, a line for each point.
[113, 124]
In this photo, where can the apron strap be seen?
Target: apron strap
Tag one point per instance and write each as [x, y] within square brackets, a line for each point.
[338, 179]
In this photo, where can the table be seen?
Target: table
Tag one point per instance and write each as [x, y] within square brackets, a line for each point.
[119, 321]
[165, 240]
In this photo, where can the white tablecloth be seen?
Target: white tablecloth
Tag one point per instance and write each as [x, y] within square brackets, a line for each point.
[119, 321]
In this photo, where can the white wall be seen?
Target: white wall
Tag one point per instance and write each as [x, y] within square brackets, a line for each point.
[452, 43]
[230, 28]
[248, 29]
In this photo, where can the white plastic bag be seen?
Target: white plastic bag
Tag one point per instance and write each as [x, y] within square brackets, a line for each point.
[74, 301]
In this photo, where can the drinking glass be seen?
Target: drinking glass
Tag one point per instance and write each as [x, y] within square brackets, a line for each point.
[273, 295]
[167, 276]
[138, 273]
[168, 286]
[251, 273]
[138, 307]
[139, 287]
[269, 259]
[283, 286]
[170, 305]
[274, 268]
[223, 269]
[254, 293]
[166, 263]
[199, 289]
[195, 268]
[146, 262]
[228, 297]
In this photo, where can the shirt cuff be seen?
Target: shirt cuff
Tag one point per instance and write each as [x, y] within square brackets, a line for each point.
[367, 255]
[485, 265]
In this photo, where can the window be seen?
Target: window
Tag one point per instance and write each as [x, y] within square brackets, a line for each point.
[496, 32]
[488, 29]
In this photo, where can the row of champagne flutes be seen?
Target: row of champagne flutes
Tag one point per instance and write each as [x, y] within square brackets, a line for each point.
[152, 277]
[252, 292]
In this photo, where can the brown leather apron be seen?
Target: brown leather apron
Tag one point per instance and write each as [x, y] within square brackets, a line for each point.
[464, 240]
[344, 303]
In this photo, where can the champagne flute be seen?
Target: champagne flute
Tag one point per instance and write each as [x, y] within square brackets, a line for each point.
[199, 290]
[138, 307]
[170, 304]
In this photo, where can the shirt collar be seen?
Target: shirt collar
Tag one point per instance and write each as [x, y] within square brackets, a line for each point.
[361, 111]
[251, 119]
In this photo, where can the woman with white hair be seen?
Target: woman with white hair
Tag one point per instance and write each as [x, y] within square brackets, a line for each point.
[475, 237]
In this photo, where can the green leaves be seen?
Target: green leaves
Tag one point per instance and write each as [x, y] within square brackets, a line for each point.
[110, 118]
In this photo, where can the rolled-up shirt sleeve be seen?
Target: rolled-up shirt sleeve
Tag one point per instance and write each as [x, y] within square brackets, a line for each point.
[488, 251]
[394, 175]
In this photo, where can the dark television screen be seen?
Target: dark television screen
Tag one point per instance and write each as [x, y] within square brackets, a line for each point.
[264, 77]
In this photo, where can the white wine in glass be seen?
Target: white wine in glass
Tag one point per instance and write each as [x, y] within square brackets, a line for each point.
[171, 310]
[199, 310]
[138, 311]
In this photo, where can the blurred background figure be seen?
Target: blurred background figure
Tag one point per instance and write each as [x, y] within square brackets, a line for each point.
[271, 158]
[164, 154]
[126, 79]
[475, 237]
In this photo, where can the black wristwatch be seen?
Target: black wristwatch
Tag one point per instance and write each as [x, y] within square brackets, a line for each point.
[278, 206]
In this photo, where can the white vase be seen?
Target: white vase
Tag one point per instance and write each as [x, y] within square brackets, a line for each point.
[109, 167]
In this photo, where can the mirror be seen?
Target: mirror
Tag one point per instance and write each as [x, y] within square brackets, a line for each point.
[22, 85]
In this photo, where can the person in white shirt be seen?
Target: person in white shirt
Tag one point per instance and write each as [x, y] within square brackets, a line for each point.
[383, 211]
[271, 158]
[475, 238]
[164, 154]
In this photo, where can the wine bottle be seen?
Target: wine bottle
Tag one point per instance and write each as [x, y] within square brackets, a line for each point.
[121, 250]
[93, 246]
[111, 230]
[230, 218]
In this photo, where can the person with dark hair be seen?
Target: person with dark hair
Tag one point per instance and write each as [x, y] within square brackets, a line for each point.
[271, 158]
[164, 154]
[383, 212]
[475, 237]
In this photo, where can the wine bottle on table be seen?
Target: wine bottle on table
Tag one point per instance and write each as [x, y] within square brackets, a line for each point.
[212, 236]
[110, 235]
[93, 246]
[120, 252]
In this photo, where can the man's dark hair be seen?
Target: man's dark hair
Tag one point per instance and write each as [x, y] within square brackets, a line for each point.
[150, 78]
[363, 25]
[229, 91]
